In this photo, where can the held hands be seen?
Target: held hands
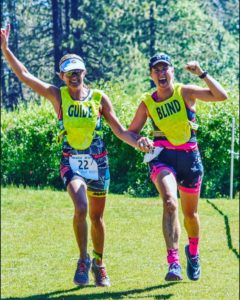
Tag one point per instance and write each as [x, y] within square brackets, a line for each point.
[5, 36]
[144, 144]
[194, 68]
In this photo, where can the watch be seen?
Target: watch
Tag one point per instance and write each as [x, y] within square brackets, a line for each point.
[203, 75]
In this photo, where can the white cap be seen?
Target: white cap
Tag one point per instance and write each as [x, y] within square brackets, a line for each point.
[72, 64]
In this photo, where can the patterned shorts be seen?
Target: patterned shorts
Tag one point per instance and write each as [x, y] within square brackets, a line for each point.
[95, 187]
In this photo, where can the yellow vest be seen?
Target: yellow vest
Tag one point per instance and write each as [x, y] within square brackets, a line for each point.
[80, 118]
[170, 116]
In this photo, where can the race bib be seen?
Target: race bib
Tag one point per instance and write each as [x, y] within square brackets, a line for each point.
[84, 165]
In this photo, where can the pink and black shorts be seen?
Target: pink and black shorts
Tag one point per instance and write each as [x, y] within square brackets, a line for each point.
[186, 166]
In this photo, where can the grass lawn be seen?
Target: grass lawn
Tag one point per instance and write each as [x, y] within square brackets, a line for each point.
[39, 252]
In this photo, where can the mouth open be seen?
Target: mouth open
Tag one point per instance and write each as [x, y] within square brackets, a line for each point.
[163, 81]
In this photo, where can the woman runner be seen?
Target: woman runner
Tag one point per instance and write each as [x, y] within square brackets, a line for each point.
[84, 165]
[176, 162]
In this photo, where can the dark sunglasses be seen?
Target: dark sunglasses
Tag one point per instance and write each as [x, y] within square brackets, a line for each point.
[160, 69]
[73, 72]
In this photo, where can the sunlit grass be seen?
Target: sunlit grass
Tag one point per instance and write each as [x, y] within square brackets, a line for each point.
[39, 252]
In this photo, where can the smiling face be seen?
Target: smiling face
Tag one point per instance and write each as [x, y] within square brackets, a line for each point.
[74, 78]
[162, 74]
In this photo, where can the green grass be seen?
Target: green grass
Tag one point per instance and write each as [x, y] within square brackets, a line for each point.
[39, 251]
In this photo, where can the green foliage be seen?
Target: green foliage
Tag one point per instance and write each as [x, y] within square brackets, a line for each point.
[214, 137]
[30, 154]
[116, 39]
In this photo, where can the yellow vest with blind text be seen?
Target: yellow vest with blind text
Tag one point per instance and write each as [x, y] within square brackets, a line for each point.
[170, 116]
[80, 118]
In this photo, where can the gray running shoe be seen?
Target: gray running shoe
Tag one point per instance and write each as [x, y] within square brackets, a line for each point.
[174, 273]
[81, 275]
[100, 274]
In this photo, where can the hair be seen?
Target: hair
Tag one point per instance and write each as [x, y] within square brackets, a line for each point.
[67, 56]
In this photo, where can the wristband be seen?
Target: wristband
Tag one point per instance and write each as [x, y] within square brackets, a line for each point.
[203, 75]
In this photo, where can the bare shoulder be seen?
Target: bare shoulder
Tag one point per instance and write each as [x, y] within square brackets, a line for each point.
[106, 104]
[105, 98]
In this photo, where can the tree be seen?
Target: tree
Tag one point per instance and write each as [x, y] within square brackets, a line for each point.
[57, 35]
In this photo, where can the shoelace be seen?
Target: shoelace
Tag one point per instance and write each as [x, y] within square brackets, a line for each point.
[102, 272]
[82, 267]
[195, 260]
[174, 266]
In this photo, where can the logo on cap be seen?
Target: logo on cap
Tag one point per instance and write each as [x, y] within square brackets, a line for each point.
[71, 64]
[159, 57]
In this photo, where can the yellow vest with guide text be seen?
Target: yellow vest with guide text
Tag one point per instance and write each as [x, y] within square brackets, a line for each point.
[80, 118]
[170, 116]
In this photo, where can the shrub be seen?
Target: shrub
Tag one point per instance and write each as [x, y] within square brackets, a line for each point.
[31, 155]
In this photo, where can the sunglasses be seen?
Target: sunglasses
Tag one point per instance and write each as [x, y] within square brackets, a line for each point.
[160, 69]
[73, 72]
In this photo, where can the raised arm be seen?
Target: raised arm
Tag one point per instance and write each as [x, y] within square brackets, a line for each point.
[131, 138]
[40, 87]
[213, 92]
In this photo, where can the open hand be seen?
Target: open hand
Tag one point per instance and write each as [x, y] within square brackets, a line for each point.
[194, 68]
[5, 36]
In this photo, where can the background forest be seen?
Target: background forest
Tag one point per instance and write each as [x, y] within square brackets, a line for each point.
[116, 39]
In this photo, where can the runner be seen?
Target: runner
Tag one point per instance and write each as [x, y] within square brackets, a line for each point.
[176, 162]
[84, 165]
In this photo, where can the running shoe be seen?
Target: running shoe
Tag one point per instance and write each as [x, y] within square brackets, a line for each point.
[193, 265]
[100, 274]
[81, 275]
[174, 272]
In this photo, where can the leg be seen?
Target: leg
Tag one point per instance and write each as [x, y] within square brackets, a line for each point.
[96, 209]
[189, 203]
[77, 190]
[167, 187]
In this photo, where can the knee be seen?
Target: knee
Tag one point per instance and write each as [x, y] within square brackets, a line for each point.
[190, 216]
[96, 220]
[170, 204]
[80, 212]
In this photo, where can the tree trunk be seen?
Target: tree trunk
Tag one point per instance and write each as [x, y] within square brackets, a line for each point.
[14, 93]
[75, 15]
[67, 19]
[152, 30]
[57, 36]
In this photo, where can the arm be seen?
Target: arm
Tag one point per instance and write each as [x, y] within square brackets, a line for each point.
[137, 124]
[139, 119]
[214, 92]
[44, 89]
[129, 137]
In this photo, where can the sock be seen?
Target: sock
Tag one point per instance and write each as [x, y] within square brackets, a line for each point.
[173, 256]
[193, 246]
[97, 256]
